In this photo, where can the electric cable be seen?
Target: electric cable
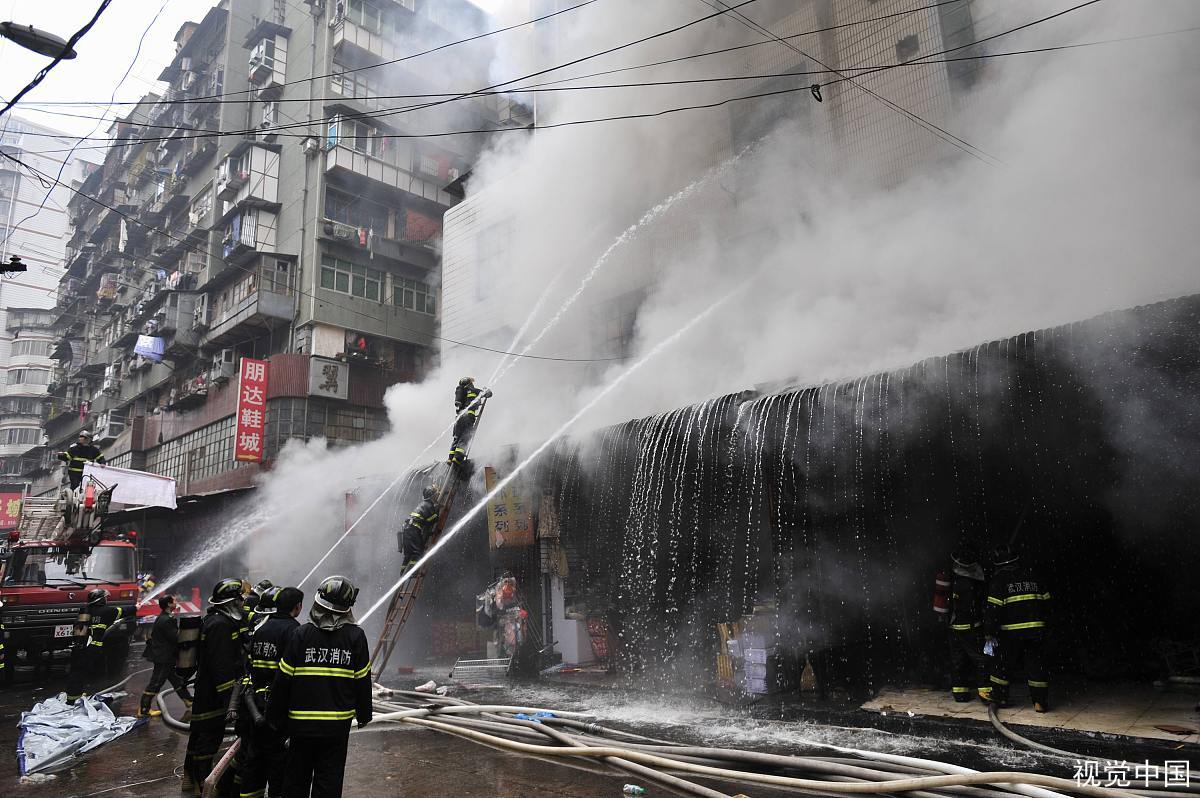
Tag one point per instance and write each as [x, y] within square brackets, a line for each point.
[67, 48]
[333, 98]
[934, 129]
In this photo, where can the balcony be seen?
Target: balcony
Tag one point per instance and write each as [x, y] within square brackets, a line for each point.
[189, 393]
[260, 300]
[355, 44]
[418, 252]
[249, 176]
[385, 169]
[248, 232]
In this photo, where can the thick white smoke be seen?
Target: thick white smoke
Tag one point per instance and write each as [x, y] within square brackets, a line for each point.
[850, 269]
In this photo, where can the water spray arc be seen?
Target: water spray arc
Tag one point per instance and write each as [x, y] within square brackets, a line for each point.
[558, 433]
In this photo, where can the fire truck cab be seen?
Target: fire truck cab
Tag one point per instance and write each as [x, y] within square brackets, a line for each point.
[57, 555]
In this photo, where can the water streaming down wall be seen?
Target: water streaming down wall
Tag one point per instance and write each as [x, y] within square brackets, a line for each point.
[836, 503]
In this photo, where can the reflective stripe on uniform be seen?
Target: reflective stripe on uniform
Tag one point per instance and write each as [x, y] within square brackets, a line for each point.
[1027, 597]
[216, 713]
[1034, 683]
[960, 689]
[1009, 627]
[341, 673]
[96, 643]
[286, 667]
[259, 793]
[999, 681]
[962, 627]
[268, 664]
[220, 688]
[996, 601]
[305, 714]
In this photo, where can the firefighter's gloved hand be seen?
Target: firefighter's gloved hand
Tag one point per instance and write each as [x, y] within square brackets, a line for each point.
[487, 393]
[361, 724]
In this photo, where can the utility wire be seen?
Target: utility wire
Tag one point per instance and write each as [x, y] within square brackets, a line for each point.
[214, 99]
[927, 60]
[192, 247]
[941, 133]
[40, 76]
[486, 90]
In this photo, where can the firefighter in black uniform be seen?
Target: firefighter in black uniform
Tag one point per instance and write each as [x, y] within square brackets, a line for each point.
[419, 527]
[6, 670]
[324, 683]
[468, 401]
[1015, 619]
[261, 767]
[87, 657]
[968, 665]
[219, 664]
[79, 454]
[250, 603]
[162, 649]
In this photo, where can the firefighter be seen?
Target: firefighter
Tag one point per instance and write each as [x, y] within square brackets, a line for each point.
[77, 455]
[1015, 622]
[162, 649]
[468, 401]
[324, 683]
[262, 764]
[87, 658]
[968, 665]
[219, 663]
[419, 527]
[253, 597]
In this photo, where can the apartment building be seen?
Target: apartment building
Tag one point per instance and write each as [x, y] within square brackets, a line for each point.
[306, 235]
[34, 227]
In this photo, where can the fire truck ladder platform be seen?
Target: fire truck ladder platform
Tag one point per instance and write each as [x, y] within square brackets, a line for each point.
[405, 598]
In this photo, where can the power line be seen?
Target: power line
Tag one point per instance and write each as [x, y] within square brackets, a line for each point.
[67, 48]
[486, 90]
[943, 134]
[214, 99]
[922, 61]
[189, 246]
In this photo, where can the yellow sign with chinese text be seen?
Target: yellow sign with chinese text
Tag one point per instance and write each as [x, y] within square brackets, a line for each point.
[510, 517]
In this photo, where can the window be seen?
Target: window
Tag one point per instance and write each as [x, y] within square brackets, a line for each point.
[29, 376]
[201, 206]
[26, 436]
[31, 348]
[356, 211]
[366, 14]
[907, 48]
[414, 295]
[351, 84]
[350, 278]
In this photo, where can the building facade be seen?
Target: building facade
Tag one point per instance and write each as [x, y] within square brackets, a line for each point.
[34, 227]
[853, 130]
[306, 235]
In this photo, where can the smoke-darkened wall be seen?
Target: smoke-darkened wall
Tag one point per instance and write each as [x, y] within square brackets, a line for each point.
[837, 504]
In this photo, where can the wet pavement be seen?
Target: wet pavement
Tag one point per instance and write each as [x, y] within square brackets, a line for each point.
[384, 761]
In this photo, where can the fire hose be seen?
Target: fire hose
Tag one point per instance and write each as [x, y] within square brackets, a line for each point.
[1008, 733]
[851, 780]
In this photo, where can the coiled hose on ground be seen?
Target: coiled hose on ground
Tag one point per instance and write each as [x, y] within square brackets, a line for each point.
[837, 775]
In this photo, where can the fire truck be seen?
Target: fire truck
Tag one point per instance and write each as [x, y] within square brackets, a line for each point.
[58, 554]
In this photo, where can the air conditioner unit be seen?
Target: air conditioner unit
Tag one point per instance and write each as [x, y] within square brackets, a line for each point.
[224, 366]
[108, 427]
[187, 81]
[200, 314]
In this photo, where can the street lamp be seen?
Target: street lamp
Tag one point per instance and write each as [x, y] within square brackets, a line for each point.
[39, 41]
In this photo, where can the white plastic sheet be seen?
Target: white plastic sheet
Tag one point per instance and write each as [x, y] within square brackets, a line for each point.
[134, 487]
[53, 733]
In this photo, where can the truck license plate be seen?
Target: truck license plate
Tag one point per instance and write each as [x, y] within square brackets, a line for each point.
[62, 630]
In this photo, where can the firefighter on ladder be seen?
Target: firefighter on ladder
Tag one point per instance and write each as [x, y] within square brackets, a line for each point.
[1015, 621]
[419, 527]
[468, 401]
[79, 454]
[324, 684]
